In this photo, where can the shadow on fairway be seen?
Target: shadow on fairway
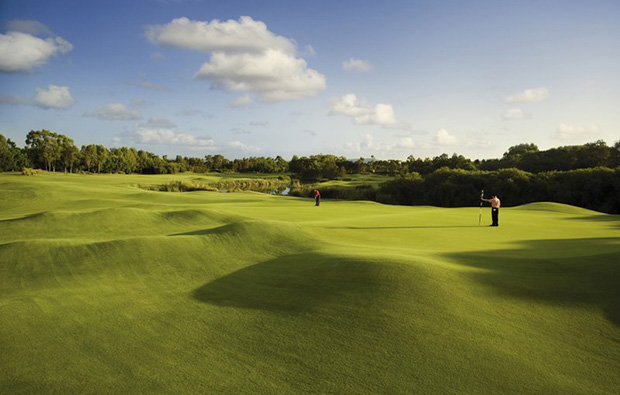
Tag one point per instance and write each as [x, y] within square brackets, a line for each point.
[295, 284]
[404, 227]
[571, 272]
[611, 220]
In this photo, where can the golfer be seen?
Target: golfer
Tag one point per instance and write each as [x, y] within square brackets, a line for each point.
[495, 205]
[317, 197]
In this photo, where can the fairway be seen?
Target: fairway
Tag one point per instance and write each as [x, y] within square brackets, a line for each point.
[106, 287]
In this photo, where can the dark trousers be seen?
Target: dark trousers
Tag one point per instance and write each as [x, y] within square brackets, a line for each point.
[317, 200]
[495, 216]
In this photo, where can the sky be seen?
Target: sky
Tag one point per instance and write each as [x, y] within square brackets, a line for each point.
[266, 78]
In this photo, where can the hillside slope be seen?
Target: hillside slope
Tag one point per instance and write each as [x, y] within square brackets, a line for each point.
[108, 288]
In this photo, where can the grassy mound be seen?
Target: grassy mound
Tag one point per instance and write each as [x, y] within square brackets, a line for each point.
[107, 288]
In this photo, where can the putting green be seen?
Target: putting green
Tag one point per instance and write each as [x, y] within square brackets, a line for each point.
[108, 288]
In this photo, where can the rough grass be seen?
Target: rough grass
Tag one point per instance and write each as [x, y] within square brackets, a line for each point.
[108, 288]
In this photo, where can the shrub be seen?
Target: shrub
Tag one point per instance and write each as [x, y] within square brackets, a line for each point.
[27, 171]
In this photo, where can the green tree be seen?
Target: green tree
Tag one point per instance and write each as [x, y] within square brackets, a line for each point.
[12, 158]
[69, 153]
[89, 155]
[102, 154]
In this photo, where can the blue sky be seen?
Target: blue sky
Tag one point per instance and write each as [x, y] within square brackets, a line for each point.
[247, 78]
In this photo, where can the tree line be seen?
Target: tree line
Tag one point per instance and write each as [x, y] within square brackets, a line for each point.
[56, 152]
[595, 188]
[585, 175]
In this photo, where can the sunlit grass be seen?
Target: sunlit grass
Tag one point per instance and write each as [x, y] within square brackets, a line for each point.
[109, 288]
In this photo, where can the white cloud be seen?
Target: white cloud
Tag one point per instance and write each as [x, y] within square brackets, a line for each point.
[243, 36]
[146, 135]
[161, 131]
[28, 26]
[569, 132]
[406, 143]
[363, 113]
[445, 138]
[54, 97]
[528, 96]
[356, 65]
[245, 56]
[241, 101]
[23, 52]
[114, 112]
[138, 102]
[273, 75]
[365, 144]
[369, 146]
[513, 113]
[170, 137]
[238, 145]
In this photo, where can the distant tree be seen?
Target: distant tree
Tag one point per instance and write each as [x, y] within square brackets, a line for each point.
[101, 156]
[69, 153]
[89, 155]
[37, 147]
[615, 155]
[517, 151]
[12, 158]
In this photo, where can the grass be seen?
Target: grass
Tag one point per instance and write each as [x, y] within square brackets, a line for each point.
[109, 288]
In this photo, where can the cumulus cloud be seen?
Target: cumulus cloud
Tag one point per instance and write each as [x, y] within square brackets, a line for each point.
[145, 135]
[528, 96]
[443, 137]
[365, 144]
[513, 113]
[274, 75]
[53, 97]
[406, 143]
[569, 132]
[161, 131]
[363, 113]
[368, 144]
[356, 65]
[114, 112]
[22, 51]
[241, 101]
[245, 56]
[245, 35]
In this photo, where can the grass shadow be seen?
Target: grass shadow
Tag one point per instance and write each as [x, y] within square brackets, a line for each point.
[574, 272]
[610, 219]
[404, 227]
[294, 284]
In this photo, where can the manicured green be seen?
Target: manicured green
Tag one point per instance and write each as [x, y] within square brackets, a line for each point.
[355, 180]
[109, 288]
